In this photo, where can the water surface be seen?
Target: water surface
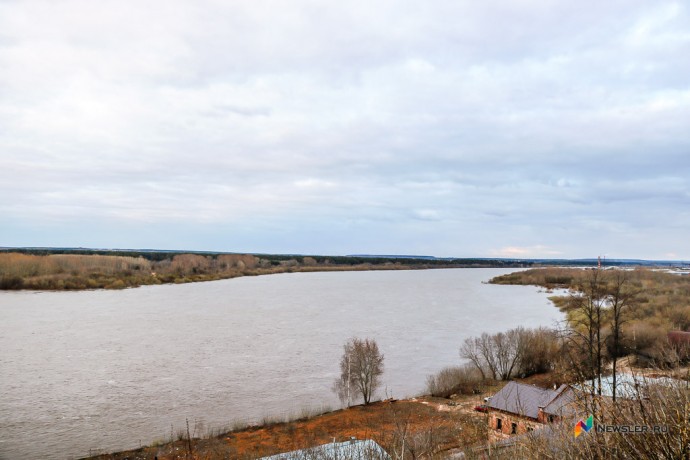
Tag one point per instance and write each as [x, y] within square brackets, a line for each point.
[112, 369]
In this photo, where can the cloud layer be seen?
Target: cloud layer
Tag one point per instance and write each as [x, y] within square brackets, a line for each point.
[527, 128]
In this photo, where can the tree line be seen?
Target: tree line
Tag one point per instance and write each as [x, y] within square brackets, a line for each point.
[58, 269]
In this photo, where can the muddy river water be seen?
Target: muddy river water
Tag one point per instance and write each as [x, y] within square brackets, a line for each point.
[92, 371]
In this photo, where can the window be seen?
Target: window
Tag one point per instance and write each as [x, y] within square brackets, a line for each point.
[499, 423]
[513, 428]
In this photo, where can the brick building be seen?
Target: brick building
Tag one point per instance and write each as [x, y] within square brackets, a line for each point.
[519, 408]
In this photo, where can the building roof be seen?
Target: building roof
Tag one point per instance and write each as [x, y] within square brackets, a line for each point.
[525, 400]
[561, 405]
[348, 450]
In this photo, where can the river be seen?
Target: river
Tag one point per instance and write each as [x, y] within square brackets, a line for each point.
[91, 371]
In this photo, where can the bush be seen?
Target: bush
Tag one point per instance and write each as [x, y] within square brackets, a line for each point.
[11, 282]
[541, 349]
[558, 280]
[117, 284]
[454, 380]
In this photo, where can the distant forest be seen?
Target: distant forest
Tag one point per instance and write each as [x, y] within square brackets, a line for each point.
[276, 259]
[157, 255]
[75, 269]
[78, 268]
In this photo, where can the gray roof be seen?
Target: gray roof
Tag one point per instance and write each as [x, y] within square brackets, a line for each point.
[348, 450]
[525, 400]
[562, 403]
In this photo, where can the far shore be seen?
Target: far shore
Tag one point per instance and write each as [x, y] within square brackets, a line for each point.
[82, 271]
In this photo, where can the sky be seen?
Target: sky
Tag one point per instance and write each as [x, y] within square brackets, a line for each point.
[522, 128]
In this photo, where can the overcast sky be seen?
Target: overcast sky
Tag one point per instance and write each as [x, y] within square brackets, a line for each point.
[449, 128]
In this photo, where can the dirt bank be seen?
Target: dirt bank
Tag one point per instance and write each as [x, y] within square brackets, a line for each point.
[426, 423]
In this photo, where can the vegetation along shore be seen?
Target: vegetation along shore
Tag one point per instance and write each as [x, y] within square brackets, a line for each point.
[78, 269]
[54, 269]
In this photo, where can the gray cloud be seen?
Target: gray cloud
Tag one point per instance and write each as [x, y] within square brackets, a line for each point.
[447, 128]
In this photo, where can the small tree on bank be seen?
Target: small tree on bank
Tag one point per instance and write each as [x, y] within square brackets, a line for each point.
[360, 368]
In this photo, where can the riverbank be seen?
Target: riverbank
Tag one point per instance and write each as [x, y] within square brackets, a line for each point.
[441, 425]
[80, 271]
[659, 300]
[431, 427]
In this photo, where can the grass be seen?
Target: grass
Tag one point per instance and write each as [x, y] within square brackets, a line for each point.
[663, 299]
[381, 421]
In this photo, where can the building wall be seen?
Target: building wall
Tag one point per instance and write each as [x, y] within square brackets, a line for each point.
[545, 418]
[522, 424]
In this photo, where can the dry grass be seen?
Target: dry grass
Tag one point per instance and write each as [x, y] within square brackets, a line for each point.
[77, 272]
[451, 427]
[663, 302]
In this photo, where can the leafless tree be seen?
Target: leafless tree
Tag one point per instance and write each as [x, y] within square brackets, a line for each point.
[498, 353]
[541, 350]
[587, 309]
[361, 367]
[471, 350]
[508, 351]
[597, 315]
[620, 299]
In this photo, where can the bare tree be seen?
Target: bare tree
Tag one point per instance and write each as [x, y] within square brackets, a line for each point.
[586, 313]
[508, 351]
[498, 353]
[360, 369]
[541, 350]
[471, 351]
[620, 299]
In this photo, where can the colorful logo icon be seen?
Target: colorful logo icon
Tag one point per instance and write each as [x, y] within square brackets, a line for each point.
[584, 426]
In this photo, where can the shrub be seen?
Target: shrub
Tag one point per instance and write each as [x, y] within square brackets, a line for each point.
[117, 284]
[541, 349]
[11, 282]
[454, 380]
